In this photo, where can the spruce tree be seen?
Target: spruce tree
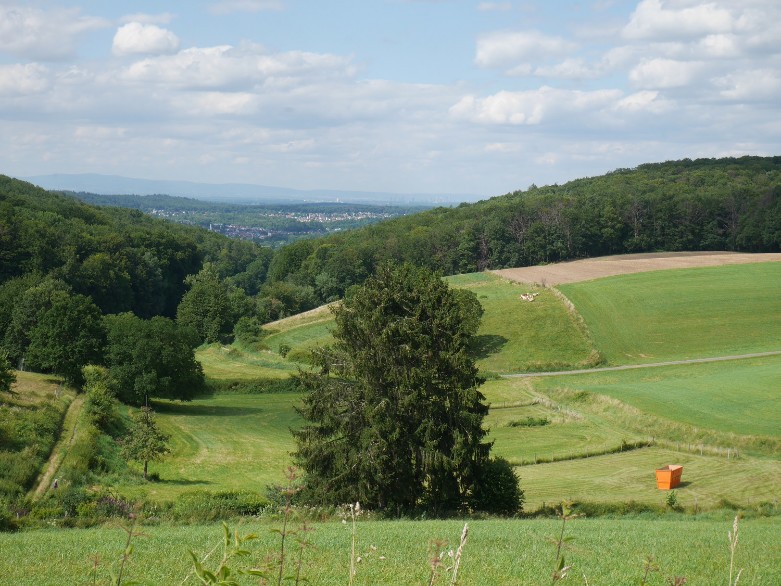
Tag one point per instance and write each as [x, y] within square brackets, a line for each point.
[394, 415]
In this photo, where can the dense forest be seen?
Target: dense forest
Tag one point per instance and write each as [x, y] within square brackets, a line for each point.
[65, 264]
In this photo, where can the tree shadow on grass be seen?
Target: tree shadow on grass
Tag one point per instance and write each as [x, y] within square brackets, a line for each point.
[183, 482]
[485, 345]
[204, 410]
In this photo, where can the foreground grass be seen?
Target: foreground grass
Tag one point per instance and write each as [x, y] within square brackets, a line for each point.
[681, 314]
[504, 552]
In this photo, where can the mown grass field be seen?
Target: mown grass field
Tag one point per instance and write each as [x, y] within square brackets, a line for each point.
[740, 397]
[225, 442]
[507, 552]
[682, 314]
[232, 363]
[715, 407]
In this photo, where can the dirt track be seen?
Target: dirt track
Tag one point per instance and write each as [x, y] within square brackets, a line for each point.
[607, 266]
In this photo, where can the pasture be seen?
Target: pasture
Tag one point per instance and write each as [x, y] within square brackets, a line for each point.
[514, 336]
[741, 397]
[519, 336]
[507, 552]
[682, 314]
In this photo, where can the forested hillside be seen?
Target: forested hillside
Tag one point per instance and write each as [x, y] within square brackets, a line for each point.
[706, 204]
[65, 265]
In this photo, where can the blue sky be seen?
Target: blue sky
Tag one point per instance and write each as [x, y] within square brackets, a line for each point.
[436, 96]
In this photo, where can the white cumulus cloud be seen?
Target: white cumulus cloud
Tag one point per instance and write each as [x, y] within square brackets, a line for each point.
[531, 107]
[136, 38]
[228, 67]
[659, 20]
[503, 49]
[21, 80]
[53, 34]
[664, 73]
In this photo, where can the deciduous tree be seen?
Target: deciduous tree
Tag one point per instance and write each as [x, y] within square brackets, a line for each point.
[152, 358]
[7, 376]
[145, 441]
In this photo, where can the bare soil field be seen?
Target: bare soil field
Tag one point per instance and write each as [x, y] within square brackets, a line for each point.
[607, 266]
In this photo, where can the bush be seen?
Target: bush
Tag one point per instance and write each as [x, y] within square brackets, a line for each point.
[498, 490]
[209, 506]
[7, 520]
[254, 387]
[250, 333]
[530, 422]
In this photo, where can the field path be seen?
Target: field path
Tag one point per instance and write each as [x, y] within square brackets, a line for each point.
[649, 365]
[67, 436]
[607, 266]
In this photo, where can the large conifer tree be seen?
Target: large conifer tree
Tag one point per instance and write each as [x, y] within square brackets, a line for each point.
[394, 415]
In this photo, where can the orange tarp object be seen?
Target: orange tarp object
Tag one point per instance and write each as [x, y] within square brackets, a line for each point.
[668, 477]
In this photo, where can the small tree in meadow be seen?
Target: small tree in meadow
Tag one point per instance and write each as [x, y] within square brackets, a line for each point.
[100, 388]
[145, 442]
[7, 376]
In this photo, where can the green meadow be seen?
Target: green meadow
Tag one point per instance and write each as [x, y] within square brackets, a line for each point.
[741, 397]
[514, 336]
[507, 552]
[519, 336]
[682, 314]
[224, 442]
[553, 428]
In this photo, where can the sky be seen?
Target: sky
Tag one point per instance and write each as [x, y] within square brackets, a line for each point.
[404, 96]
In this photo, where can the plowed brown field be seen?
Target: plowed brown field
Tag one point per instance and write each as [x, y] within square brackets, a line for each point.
[607, 266]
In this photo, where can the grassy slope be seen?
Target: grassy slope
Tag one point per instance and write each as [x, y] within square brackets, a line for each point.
[227, 442]
[508, 552]
[740, 397]
[516, 335]
[681, 314]
[629, 476]
[30, 392]
[231, 363]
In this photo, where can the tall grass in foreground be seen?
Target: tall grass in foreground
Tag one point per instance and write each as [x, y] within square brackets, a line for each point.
[506, 552]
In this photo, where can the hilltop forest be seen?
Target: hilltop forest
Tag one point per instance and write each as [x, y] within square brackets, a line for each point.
[65, 264]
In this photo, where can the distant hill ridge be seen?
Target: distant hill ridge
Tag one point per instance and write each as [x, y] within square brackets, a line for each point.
[233, 192]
